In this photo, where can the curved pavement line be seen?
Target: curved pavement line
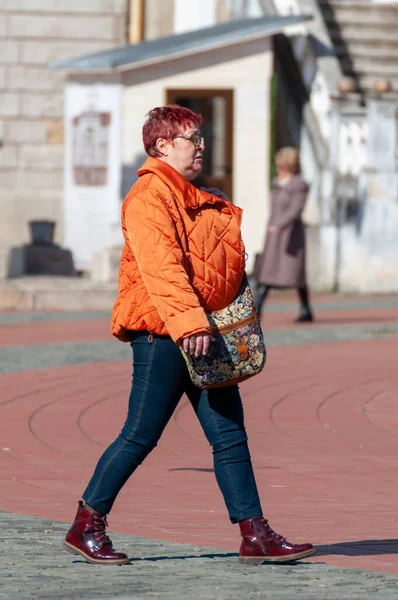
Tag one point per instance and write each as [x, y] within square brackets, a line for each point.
[369, 406]
[322, 485]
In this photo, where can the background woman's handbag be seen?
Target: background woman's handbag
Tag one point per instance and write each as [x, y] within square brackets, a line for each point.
[238, 351]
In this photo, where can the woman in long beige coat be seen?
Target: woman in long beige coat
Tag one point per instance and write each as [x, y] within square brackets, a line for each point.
[282, 263]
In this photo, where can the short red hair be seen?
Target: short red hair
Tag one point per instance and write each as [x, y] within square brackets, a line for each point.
[167, 122]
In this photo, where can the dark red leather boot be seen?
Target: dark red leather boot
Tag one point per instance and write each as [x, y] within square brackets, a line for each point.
[87, 537]
[261, 544]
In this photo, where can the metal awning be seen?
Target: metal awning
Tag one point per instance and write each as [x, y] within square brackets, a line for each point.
[178, 46]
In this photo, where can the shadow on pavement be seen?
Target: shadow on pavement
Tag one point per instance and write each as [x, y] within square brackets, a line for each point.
[202, 470]
[235, 555]
[172, 557]
[208, 470]
[359, 548]
[184, 556]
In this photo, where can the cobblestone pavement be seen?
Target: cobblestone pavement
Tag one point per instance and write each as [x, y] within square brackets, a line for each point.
[34, 567]
[323, 430]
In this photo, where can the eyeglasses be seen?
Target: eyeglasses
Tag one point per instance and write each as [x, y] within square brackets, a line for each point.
[195, 139]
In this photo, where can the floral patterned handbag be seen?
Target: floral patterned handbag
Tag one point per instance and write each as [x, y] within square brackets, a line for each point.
[238, 351]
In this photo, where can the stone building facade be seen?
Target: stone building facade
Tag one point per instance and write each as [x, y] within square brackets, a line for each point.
[34, 33]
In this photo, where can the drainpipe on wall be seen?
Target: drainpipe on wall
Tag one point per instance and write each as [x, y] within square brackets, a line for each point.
[136, 25]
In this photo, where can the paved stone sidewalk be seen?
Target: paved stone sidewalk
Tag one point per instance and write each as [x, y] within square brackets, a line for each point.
[15, 358]
[323, 431]
[35, 566]
[322, 304]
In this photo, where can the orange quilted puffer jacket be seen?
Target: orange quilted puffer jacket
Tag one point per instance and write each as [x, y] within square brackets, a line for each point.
[183, 255]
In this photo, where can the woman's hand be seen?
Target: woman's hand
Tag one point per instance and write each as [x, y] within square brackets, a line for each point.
[273, 229]
[197, 344]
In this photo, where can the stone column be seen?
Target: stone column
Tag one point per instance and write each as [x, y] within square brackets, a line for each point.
[382, 165]
[92, 167]
[379, 190]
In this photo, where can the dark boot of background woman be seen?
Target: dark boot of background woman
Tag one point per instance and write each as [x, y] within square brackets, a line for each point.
[260, 295]
[306, 314]
[88, 537]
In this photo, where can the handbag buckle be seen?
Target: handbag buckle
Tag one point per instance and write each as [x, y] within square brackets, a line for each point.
[242, 349]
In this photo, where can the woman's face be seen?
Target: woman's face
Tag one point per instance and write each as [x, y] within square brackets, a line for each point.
[282, 171]
[184, 152]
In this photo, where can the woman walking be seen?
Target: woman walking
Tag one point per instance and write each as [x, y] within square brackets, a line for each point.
[183, 255]
[282, 263]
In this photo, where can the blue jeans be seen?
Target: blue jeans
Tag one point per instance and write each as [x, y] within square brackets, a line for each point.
[160, 379]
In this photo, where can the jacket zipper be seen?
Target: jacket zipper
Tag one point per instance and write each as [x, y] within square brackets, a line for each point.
[228, 328]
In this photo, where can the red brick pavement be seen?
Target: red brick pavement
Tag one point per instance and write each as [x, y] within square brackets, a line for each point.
[59, 332]
[332, 318]
[323, 426]
[54, 332]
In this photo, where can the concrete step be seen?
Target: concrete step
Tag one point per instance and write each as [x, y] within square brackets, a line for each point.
[371, 51]
[365, 38]
[366, 81]
[363, 19]
[383, 34]
[359, 12]
[56, 293]
[370, 66]
[359, 3]
[381, 65]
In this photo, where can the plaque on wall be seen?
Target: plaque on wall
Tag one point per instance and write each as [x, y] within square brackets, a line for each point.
[90, 148]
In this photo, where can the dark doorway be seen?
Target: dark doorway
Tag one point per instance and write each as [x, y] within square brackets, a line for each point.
[216, 107]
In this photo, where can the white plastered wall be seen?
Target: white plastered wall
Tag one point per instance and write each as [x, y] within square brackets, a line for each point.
[249, 77]
[194, 14]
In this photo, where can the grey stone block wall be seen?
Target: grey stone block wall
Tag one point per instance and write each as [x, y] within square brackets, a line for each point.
[159, 19]
[32, 34]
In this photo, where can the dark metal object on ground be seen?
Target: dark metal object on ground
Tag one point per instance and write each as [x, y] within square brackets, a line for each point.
[41, 256]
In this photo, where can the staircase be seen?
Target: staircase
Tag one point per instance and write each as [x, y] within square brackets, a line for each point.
[365, 39]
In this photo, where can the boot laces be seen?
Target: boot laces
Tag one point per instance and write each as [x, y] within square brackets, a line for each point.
[271, 534]
[101, 524]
